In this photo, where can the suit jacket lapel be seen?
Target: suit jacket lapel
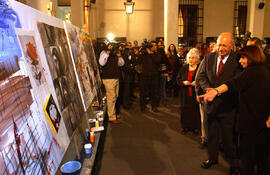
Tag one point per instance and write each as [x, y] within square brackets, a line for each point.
[215, 64]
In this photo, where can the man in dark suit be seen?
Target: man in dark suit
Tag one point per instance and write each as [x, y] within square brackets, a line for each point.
[217, 68]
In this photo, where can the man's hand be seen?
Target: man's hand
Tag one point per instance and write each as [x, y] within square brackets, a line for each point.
[108, 52]
[208, 89]
[148, 51]
[268, 122]
[186, 83]
[165, 74]
[193, 83]
[118, 54]
[209, 96]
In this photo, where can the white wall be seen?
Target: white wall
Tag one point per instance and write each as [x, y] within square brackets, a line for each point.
[266, 30]
[147, 20]
[41, 5]
[77, 17]
[218, 17]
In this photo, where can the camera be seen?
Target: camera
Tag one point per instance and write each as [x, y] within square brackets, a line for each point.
[242, 41]
[113, 47]
[145, 45]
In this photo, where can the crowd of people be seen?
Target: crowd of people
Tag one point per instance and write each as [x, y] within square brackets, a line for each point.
[224, 95]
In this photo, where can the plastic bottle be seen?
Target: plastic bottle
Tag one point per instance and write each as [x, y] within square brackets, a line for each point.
[92, 137]
[96, 123]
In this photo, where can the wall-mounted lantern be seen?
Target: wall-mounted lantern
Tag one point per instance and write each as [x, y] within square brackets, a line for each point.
[129, 6]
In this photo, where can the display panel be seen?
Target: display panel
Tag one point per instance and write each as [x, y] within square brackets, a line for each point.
[85, 63]
[36, 64]
[26, 145]
[58, 56]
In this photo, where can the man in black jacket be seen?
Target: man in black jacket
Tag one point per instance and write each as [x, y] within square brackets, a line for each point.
[150, 61]
[218, 67]
[128, 72]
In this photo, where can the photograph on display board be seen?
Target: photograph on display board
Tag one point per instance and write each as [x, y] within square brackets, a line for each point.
[52, 113]
[32, 59]
[92, 60]
[94, 63]
[72, 120]
[85, 60]
[26, 145]
[84, 70]
[59, 60]
[21, 148]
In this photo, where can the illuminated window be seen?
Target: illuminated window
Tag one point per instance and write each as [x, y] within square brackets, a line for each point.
[190, 22]
[240, 18]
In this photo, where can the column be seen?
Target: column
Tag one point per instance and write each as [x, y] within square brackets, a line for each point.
[54, 7]
[93, 21]
[255, 19]
[77, 17]
[170, 22]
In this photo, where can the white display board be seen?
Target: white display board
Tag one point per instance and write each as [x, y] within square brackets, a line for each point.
[28, 142]
[45, 63]
[81, 45]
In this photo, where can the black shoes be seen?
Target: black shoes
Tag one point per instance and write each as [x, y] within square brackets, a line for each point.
[208, 163]
[184, 130]
[195, 131]
[133, 96]
[203, 144]
[234, 171]
[221, 147]
[155, 110]
[143, 108]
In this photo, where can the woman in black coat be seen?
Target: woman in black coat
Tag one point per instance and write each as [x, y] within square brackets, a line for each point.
[189, 107]
[253, 87]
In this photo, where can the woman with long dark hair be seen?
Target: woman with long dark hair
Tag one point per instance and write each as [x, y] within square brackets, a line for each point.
[174, 63]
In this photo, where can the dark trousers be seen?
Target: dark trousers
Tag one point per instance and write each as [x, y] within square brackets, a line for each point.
[119, 100]
[149, 88]
[132, 83]
[224, 127]
[126, 93]
[163, 93]
[253, 151]
[190, 114]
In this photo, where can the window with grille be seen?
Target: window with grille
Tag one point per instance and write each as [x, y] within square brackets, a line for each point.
[190, 22]
[240, 18]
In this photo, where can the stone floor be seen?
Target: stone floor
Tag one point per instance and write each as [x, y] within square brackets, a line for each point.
[151, 144]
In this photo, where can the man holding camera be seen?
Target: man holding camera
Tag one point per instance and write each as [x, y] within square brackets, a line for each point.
[110, 61]
[150, 61]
